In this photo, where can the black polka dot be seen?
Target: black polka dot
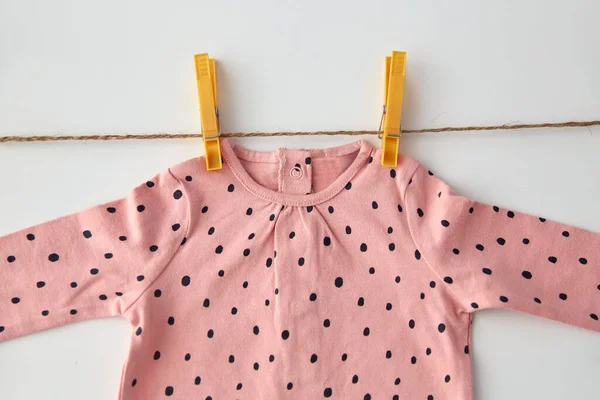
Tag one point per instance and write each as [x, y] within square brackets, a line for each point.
[138, 332]
[251, 236]
[466, 349]
[87, 234]
[422, 296]
[388, 354]
[187, 357]
[486, 271]
[526, 274]
[504, 299]
[45, 313]
[430, 397]
[183, 241]
[475, 305]
[447, 378]
[111, 210]
[73, 312]
[413, 360]
[445, 223]
[583, 260]
[157, 293]
[327, 323]
[150, 184]
[441, 328]
[391, 247]
[171, 321]
[301, 261]
[371, 270]
[204, 209]
[141, 208]
[366, 331]
[133, 382]
[552, 259]
[471, 210]
[448, 279]
[363, 247]
[399, 208]
[211, 230]
[496, 209]
[292, 234]
[102, 297]
[272, 216]
[456, 251]
[249, 211]
[344, 357]
[537, 300]
[419, 212]
[271, 358]
[330, 209]
[122, 238]
[53, 257]
[542, 219]
[525, 241]
[140, 278]
[594, 317]
[15, 300]
[219, 249]
[73, 285]
[479, 247]
[285, 334]
[348, 186]
[197, 380]
[501, 241]
[175, 227]
[562, 296]
[411, 324]
[397, 279]
[177, 194]
[510, 214]
[30, 236]
[94, 271]
[108, 256]
[246, 252]
[374, 205]
[313, 297]
[428, 351]
[327, 241]
[417, 254]
[565, 233]
[119, 294]
[210, 334]
[327, 392]
[169, 391]
[339, 281]
[185, 281]
[308, 209]
[307, 160]
[40, 284]
[188, 178]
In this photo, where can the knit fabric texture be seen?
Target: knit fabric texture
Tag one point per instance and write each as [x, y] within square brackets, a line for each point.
[300, 273]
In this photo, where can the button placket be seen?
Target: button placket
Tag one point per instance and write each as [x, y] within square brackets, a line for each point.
[296, 174]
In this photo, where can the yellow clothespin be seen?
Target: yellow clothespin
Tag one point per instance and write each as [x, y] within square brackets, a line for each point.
[209, 112]
[392, 108]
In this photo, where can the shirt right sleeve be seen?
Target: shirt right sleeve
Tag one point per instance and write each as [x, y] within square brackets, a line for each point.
[93, 263]
[491, 257]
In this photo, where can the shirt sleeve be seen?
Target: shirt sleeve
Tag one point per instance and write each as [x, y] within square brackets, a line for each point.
[491, 257]
[93, 263]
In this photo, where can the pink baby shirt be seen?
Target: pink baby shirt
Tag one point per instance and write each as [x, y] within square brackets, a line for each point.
[296, 274]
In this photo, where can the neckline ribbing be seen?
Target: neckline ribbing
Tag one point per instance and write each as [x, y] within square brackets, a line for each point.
[234, 152]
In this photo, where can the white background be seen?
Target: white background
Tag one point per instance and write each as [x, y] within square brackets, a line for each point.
[74, 67]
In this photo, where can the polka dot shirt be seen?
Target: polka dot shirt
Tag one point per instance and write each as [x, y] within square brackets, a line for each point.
[296, 274]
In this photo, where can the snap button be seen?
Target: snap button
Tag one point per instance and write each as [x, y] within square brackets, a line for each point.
[296, 172]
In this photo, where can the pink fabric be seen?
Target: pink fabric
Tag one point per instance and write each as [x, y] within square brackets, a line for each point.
[296, 274]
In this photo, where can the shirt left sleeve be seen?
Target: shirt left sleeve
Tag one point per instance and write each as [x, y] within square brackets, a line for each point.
[93, 263]
[492, 257]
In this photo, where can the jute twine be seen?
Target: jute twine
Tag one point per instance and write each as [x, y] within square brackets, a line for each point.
[184, 135]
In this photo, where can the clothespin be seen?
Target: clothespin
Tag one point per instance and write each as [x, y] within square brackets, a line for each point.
[206, 78]
[392, 107]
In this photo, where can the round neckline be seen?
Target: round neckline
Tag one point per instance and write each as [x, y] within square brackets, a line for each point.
[234, 152]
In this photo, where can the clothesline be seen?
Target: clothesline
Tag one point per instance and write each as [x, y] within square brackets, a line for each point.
[184, 135]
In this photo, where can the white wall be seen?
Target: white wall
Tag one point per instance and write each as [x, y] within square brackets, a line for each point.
[127, 66]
